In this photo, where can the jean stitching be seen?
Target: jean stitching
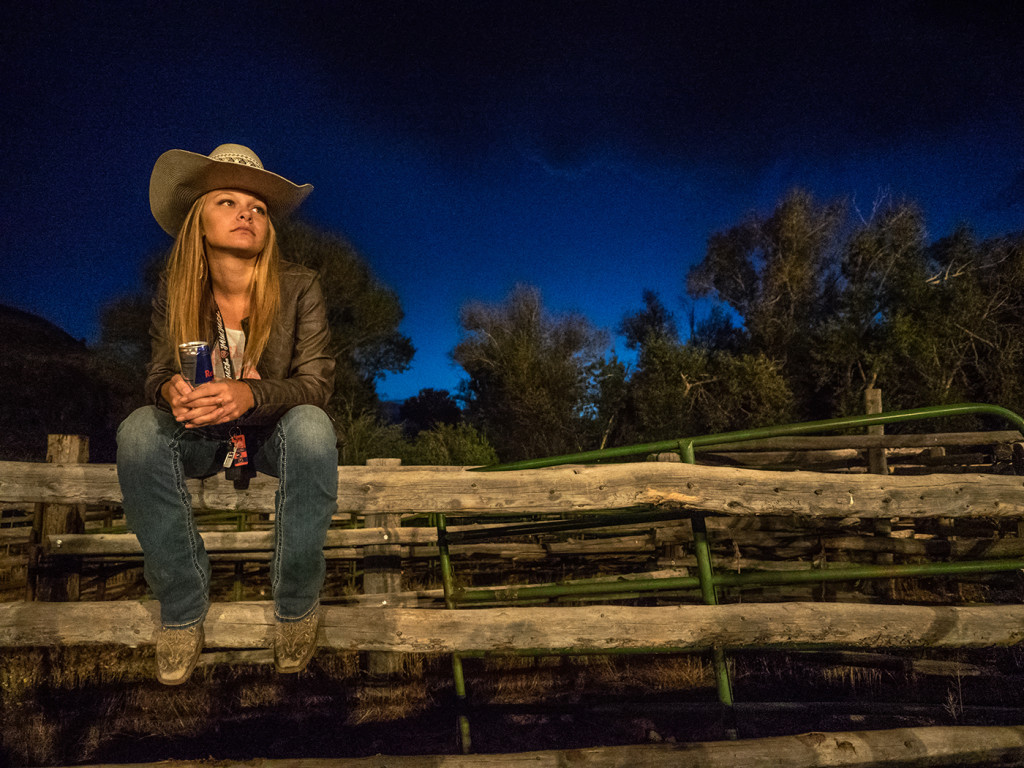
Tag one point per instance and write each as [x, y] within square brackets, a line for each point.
[186, 502]
[187, 624]
[314, 609]
[282, 493]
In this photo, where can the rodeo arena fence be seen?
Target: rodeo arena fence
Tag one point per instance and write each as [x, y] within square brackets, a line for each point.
[702, 507]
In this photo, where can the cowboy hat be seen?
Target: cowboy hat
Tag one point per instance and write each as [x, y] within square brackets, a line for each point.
[180, 178]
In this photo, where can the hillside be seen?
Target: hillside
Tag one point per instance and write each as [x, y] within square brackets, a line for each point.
[52, 383]
[22, 330]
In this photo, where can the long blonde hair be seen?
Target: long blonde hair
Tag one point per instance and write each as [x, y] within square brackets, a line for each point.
[190, 294]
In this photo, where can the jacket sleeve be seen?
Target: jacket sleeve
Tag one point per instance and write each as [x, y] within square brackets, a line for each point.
[300, 348]
[163, 362]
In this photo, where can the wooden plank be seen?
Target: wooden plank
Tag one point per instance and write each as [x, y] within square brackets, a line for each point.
[585, 629]
[723, 490]
[925, 747]
[238, 541]
[249, 541]
[107, 544]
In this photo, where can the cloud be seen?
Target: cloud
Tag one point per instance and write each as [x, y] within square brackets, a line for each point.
[740, 82]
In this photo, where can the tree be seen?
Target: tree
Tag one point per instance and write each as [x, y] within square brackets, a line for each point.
[997, 326]
[610, 400]
[364, 436]
[529, 374]
[963, 340]
[707, 384]
[652, 322]
[50, 383]
[882, 278]
[427, 409]
[778, 275]
[363, 313]
[840, 304]
[681, 390]
[716, 331]
[123, 349]
[451, 445]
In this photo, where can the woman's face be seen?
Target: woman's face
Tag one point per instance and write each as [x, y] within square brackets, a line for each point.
[234, 222]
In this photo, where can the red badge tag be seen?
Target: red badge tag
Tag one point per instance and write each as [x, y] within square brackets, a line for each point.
[238, 445]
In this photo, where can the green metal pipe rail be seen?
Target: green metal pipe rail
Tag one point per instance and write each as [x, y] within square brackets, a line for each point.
[572, 589]
[555, 526]
[803, 428]
[706, 580]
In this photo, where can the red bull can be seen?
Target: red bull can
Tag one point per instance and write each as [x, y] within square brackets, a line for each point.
[196, 363]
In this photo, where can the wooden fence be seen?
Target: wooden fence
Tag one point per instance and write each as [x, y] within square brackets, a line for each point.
[740, 501]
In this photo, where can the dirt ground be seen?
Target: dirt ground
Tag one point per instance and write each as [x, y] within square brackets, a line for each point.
[63, 708]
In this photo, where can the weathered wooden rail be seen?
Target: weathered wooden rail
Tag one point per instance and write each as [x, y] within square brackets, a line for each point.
[395, 492]
[246, 625]
[579, 490]
[391, 494]
[895, 748]
[455, 491]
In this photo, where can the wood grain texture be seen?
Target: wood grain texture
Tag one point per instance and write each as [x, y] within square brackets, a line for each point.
[456, 491]
[584, 629]
[904, 747]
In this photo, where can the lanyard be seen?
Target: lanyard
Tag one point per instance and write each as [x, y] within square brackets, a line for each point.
[225, 352]
[236, 462]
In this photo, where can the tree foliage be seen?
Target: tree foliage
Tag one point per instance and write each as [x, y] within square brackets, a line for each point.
[652, 323]
[679, 389]
[809, 305]
[427, 409]
[778, 274]
[963, 339]
[365, 436]
[841, 303]
[451, 445]
[364, 315]
[529, 374]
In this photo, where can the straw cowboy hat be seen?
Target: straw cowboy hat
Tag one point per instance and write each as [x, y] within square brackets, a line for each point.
[180, 178]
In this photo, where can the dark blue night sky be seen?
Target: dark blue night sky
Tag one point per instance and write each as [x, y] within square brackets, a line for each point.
[589, 148]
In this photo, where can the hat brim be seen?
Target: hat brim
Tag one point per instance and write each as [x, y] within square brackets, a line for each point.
[180, 178]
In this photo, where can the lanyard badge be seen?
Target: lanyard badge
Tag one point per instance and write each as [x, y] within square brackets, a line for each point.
[237, 455]
[238, 444]
[236, 462]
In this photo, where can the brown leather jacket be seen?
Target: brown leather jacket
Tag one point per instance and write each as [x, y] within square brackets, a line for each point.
[297, 367]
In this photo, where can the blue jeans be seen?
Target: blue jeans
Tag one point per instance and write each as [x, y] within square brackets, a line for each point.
[155, 454]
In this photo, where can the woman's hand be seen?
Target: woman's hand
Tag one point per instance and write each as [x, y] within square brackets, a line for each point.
[174, 391]
[215, 402]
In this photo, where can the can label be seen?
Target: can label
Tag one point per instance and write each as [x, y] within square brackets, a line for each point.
[196, 363]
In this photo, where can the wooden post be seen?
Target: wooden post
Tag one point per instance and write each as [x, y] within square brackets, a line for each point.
[57, 579]
[669, 555]
[877, 465]
[382, 575]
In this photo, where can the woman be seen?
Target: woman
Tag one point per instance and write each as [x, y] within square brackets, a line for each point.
[265, 322]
